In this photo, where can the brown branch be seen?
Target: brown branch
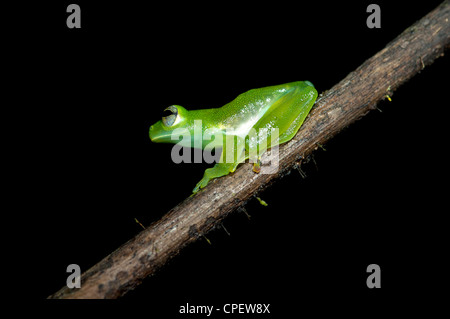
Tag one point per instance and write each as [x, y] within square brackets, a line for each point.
[349, 100]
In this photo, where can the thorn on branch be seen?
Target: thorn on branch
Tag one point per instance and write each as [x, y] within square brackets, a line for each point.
[207, 240]
[223, 227]
[261, 201]
[299, 169]
[321, 146]
[138, 222]
[242, 209]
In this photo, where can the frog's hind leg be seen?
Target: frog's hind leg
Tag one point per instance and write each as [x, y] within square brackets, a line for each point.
[281, 121]
[300, 111]
[293, 128]
[289, 111]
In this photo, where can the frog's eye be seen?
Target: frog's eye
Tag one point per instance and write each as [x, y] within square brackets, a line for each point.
[170, 115]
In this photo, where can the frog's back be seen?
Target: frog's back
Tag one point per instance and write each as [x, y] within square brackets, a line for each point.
[241, 114]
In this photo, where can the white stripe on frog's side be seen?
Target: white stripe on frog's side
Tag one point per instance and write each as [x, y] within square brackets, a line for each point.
[236, 125]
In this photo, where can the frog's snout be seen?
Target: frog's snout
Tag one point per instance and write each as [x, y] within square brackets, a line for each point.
[157, 134]
[150, 131]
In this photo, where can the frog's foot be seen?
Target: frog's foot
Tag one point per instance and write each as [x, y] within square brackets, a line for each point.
[209, 174]
[257, 165]
[201, 184]
[220, 169]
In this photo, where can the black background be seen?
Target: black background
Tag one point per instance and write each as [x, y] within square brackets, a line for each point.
[376, 195]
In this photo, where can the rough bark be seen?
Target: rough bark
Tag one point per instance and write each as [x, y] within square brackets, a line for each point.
[349, 100]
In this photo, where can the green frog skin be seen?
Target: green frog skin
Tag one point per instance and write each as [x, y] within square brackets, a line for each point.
[242, 128]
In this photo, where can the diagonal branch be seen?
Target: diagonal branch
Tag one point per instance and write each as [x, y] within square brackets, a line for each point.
[349, 100]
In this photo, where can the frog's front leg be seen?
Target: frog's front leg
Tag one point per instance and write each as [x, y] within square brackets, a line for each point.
[220, 169]
[232, 155]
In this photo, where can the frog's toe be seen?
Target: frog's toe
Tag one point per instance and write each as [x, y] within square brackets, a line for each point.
[257, 166]
[200, 185]
[203, 183]
[196, 189]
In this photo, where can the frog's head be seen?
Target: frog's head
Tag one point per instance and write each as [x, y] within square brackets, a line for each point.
[175, 116]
